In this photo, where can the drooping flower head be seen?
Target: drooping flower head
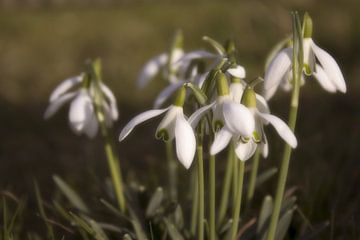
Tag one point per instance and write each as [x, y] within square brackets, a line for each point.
[82, 90]
[173, 126]
[317, 63]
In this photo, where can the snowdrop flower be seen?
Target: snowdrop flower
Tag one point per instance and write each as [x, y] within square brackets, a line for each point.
[245, 148]
[82, 117]
[173, 126]
[229, 117]
[317, 62]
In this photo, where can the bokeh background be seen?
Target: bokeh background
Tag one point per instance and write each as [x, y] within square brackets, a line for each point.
[43, 42]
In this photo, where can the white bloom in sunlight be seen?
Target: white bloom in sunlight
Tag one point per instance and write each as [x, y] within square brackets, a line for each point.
[317, 62]
[247, 144]
[82, 117]
[173, 126]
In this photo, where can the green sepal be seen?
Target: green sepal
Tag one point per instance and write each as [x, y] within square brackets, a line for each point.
[198, 93]
[215, 44]
[249, 98]
[180, 97]
[307, 26]
[222, 84]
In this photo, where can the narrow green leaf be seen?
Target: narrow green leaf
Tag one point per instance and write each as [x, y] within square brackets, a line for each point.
[266, 175]
[198, 93]
[178, 217]
[140, 234]
[155, 202]
[70, 194]
[81, 223]
[284, 224]
[43, 213]
[99, 233]
[173, 232]
[263, 220]
[126, 237]
[17, 212]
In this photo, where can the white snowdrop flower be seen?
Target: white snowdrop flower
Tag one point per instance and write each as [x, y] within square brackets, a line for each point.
[317, 62]
[245, 148]
[173, 126]
[82, 116]
[230, 118]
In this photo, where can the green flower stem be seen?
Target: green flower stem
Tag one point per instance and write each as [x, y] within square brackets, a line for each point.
[236, 212]
[297, 67]
[195, 201]
[172, 170]
[199, 150]
[114, 165]
[224, 202]
[235, 178]
[212, 193]
[253, 176]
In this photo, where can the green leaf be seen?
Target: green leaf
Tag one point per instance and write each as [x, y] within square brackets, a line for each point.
[126, 237]
[284, 224]
[265, 213]
[173, 232]
[266, 175]
[70, 194]
[155, 202]
[139, 232]
[42, 212]
[178, 217]
[99, 234]
[198, 93]
[215, 44]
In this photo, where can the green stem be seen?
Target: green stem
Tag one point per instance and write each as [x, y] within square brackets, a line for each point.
[235, 178]
[212, 193]
[195, 201]
[114, 167]
[172, 170]
[199, 150]
[297, 67]
[253, 176]
[224, 202]
[236, 212]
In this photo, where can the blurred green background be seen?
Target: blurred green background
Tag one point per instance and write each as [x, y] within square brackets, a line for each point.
[44, 42]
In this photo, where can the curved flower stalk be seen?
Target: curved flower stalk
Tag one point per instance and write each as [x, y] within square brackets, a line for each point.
[173, 126]
[317, 63]
[82, 116]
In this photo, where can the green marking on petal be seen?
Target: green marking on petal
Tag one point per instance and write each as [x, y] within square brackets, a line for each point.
[307, 26]
[307, 69]
[256, 137]
[217, 125]
[162, 134]
[244, 139]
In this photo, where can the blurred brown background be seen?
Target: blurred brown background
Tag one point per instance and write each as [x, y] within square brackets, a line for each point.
[44, 42]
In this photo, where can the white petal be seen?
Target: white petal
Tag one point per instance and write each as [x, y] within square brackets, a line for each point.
[239, 119]
[278, 68]
[112, 100]
[236, 91]
[330, 67]
[166, 93]
[151, 68]
[323, 79]
[237, 71]
[280, 126]
[65, 86]
[168, 122]
[244, 151]
[177, 54]
[196, 116]
[222, 139]
[142, 117]
[55, 105]
[261, 104]
[264, 146]
[198, 54]
[185, 141]
[269, 93]
[80, 111]
[91, 126]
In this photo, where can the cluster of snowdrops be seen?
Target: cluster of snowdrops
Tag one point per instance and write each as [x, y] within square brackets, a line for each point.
[208, 101]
